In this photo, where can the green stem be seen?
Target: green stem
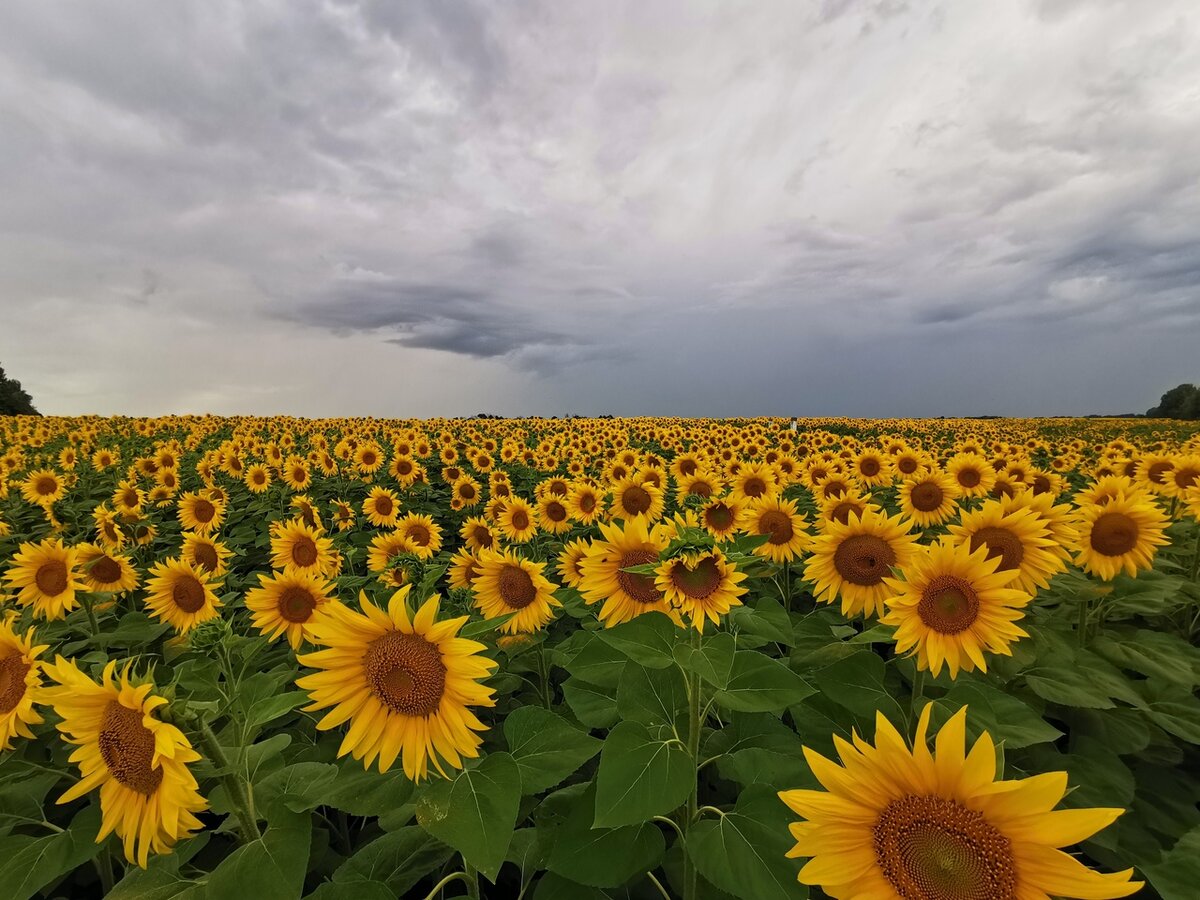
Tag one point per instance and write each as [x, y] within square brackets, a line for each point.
[918, 692]
[1083, 621]
[453, 876]
[787, 586]
[472, 880]
[91, 614]
[1196, 555]
[544, 674]
[658, 884]
[104, 868]
[237, 789]
[691, 877]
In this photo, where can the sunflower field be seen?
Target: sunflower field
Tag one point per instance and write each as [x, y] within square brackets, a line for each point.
[575, 659]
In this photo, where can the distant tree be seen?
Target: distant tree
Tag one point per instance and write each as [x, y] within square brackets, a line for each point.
[14, 400]
[1180, 402]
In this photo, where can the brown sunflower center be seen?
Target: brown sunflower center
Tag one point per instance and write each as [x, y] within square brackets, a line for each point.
[906, 464]
[203, 511]
[188, 594]
[754, 487]
[687, 466]
[520, 521]
[640, 588]
[483, 537]
[555, 511]
[969, 477]
[719, 517]
[587, 502]
[778, 525]
[1000, 543]
[51, 578]
[105, 570]
[869, 467]
[948, 604]
[127, 748]
[926, 496]
[516, 586]
[1157, 472]
[419, 534]
[205, 556]
[304, 551]
[296, 604]
[864, 559]
[45, 486]
[13, 670]
[406, 673]
[1114, 534]
[1185, 478]
[129, 498]
[842, 512]
[699, 582]
[833, 488]
[700, 489]
[467, 491]
[635, 500]
[932, 848]
[1041, 484]
[558, 487]
[383, 505]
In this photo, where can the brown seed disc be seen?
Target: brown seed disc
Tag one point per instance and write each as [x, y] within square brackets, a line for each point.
[719, 517]
[1158, 472]
[205, 557]
[203, 511]
[127, 748]
[105, 570]
[869, 466]
[304, 551]
[635, 500]
[1114, 534]
[754, 487]
[1041, 485]
[516, 586]
[948, 605]
[296, 604]
[405, 672]
[418, 534]
[555, 511]
[188, 594]
[51, 577]
[864, 559]
[384, 505]
[640, 588]
[969, 478]
[45, 486]
[842, 512]
[926, 496]
[1002, 543]
[778, 525]
[699, 582]
[13, 670]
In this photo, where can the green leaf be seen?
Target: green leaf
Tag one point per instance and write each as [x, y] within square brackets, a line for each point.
[547, 748]
[602, 857]
[476, 812]
[758, 683]
[271, 867]
[296, 785]
[598, 663]
[640, 776]
[399, 860]
[1007, 718]
[474, 630]
[160, 880]
[271, 708]
[359, 791]
[1178, 714]
[28, 864]
[744, 851]
[555, 887]
[652, 696]
[859, 683]
[1152, 653]
[1068, 687]
[648, 639]
[352, 890]
[766, 619]
[712, 661]
[594, 705]
[1177, 874]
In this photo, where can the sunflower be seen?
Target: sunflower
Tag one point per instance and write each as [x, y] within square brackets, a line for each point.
[205, 553]
[43, 487]
[1018, 538]
[907, 463]
[140, 764]
[516, 521]
[296, 474]
[720, 517]
[286, 602]
[343, 515]
[405, 470]
[384, 548]
[47, 577]
[841, 509]
[200, 514]
[777, 518]
[477, 533]
[951, 605]
[698, 484]
[102, 571]
[424, 534]
[308, 512]
[128, 498]
[625, 595]
[464, 568]
[1154, 471]
[569, 558]
[257, 478]
[506, 583]
[973, 474]
[895, 822]
[851, 561]
[296, 544]
[20, 682]
[631, 500]
[1122, 535]
[583, 500]
[929, 499]
[382, 507]
[1183, 477]
[405, 684]
[553, 515]
[752, 482]
[181, 594]
[871, 468]
[701, 586]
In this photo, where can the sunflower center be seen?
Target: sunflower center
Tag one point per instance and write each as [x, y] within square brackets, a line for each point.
[778, 525]
[833, 488]
[699, 582]
[640, 588]
[483, 536]
[700, 489]
[907, 465]
[130, 498]
[203, 511]
[467, 491]
[719, 516]
[51, 577]
[555, 512]
[520, 521]
[1041, 484]
[864, 559]
[304, 551]
[1000, 543]
[419, 534]
[1114, 534]
[205, 556]
[754, 487]
[926, 496]
[587, 503]
[1158, 472]
[127, 748]
[105, 570]
[635, 500]
[1185, 478]
[296, 604]
[383, 505]
[931, 848]
[46, 486]
[869, 467]
[406, 673]
[13, 670]
[517, 589]
[948, 605]
[188, 594]
[841, 512]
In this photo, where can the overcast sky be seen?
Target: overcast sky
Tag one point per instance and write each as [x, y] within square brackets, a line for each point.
[670, 208]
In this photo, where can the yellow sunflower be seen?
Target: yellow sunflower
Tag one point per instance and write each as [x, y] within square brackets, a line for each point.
[20, 682]
[382, 507]
[103, 571]
[295, 544]
[624, 595]
[464, 568]
[47, 578]
[929, 499]
[701, 586]
[973, 474]
[1018, 538]
[181, 594]
[787, 536]
[43, 487]
[553, 514]
[257, 478]
[900, 822]
[200, 514]
[698, 484]
[850, 561]
[584, 502]
[569, 559]
[424, 534]
[516, 520]
[404, 683]
[508, 584]
[753, 481]
[1123, 535]
[206, 553]
[286, 602]
[720, 518]
[632, 499]
[140, 764]
[951, 605]
[477, 533]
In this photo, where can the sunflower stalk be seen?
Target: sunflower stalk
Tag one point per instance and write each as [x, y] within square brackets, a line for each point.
[238, 790]
[690, 875]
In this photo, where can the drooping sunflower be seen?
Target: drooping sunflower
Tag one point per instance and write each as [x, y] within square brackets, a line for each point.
[850, 561]
[181, 594]
[20, 682]
[382, 507]
[569, 559]
[423, 532]
[506, 583]
[632, 499]
[464, 568]
[286, 602]
[953, 604]
[720, 517]
[516, 520]
[899, 822]
[1123, 535]
[701, 586]
[404, 683]
[929, 499]
[624, 595]
[206, 553]
[102, 570]
[295, 544]
[787, 536]
[1018, 538]
[139, 763]
[45, 576]
[973, 474]
[43, 487]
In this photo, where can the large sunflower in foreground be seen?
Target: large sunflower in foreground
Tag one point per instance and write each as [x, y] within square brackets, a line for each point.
[701, 585]
[181, 594]
[1017, 537]
[284, 602]
[508, 584]
[899, 822]
[1123, 535]
[624, 595]
[20, 678]
[147, 795]
[951, 605]
[46, 576]
[405, 683]
[851, 560]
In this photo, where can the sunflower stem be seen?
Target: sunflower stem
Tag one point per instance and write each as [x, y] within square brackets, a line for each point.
[238, 790]
[91, 614]
[690, 875]
[787, 587]
[544, 674]
[453, 876]
[1083, 620]
[104, 869]
[472, 880]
